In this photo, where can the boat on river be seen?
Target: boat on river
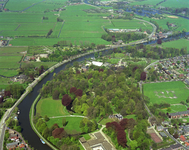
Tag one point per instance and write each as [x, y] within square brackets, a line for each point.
[42, 141]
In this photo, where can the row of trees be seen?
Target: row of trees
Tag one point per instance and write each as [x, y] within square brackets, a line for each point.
[125, 37]
[154, 52]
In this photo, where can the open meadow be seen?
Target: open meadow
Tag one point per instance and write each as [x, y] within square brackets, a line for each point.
[168, 3]
[176, 108]
[51, 108]
[181, 43]
[25, 23]
[10, 58]
[72, 123]
[169, 92]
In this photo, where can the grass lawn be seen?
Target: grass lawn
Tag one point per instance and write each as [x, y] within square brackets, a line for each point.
[113, 60]
[146, 2]
[86, 136]
[73, 123]
[130, 116]
[176, 108]
[177, 44]
[50, 107]
[169, 92]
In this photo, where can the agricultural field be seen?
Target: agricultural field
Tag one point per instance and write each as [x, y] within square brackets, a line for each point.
[10, 58]
[181, 23]
[169, 92]
[51, 108]
[168, 3]
[176, 3]
[181, 43]
[25, 24]
[146, 2]
[127, 24]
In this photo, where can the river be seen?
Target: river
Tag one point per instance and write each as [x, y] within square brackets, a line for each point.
[26, 104]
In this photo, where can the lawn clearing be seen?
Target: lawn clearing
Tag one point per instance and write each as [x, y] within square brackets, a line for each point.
[169, 92]
[73, 123]
[181, 43]
[9, 62]
[176, 108]
[50, 107]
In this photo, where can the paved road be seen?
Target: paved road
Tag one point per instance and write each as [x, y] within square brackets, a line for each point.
[2, 127]
[167, 132]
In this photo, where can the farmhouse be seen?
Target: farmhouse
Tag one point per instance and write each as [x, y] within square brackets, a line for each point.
[179, 114]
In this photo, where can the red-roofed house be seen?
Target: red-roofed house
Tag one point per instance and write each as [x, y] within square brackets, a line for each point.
[186, 144]
[182, 138]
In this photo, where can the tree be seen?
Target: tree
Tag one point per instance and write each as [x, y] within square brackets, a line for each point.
[169, 109]
[133, 144]
[56, 94]
[159, 41]
[187, 100]
[66, 100]
[46, 118]
[176, 135]
[59, 133]
[143, 76]
[49, 33]
[95, 54]
[64, 121]
[78, 92]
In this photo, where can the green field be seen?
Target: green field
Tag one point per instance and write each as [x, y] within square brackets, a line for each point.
[168, 3]
[51, 108]
[177, 44]
[73, 123]
[10, 58]
[169, 92]
[176, 108]
[176, 3]
[127, 24]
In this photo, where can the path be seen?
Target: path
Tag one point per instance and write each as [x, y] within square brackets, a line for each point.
[69, 116]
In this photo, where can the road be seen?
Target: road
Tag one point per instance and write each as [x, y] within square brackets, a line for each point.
[166, 131]
[2, 127]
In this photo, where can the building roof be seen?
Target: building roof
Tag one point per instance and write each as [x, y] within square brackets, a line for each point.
[179, 113]
[12, 144]
[182, 138]
[162, 134]
[96, 63]
[168, 148]
[175, 146]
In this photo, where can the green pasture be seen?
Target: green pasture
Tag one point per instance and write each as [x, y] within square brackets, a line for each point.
[180, 22]
[20, 5]
[9, 51]
[51, 108]
[169, 92]
[8, 73]
[9, 62]
[176, 108]
[146, 2]
[128, 24]
[4, 82]
[181, 43]
[73, 123]
[176, 3]
[38, 64]
[113, 60]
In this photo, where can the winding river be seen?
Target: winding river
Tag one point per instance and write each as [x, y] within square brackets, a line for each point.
[26, 104]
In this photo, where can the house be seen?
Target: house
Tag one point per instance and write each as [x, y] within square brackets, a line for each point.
[163, 134]
[12, 145]
[85, 68]
[182, 138]
[176, 147]
[186, 129]
[96, 63]
[159, 128]
[179, 114]
[119, 116]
